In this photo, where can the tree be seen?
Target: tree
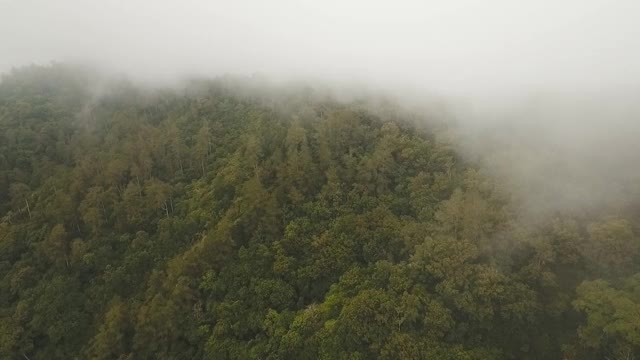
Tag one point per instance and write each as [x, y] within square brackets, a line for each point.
[113, 339]
[203, 146]
[56, 246]
[612, 249]
[612, 317]
[159, 193]
[20, 194]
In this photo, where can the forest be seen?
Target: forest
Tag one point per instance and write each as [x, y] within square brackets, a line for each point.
[216, 220]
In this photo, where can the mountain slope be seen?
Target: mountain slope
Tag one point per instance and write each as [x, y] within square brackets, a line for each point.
[219, 222]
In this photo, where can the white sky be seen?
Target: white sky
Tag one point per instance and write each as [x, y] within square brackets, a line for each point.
[447, 46]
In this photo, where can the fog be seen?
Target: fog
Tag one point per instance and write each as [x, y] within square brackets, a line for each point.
[545, 92]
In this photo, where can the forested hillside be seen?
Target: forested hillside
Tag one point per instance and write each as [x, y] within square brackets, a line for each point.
[215, 223]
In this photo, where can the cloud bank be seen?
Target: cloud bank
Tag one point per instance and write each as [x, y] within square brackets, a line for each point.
[452, 47]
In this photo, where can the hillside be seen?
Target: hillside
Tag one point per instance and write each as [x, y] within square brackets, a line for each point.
[220, 222]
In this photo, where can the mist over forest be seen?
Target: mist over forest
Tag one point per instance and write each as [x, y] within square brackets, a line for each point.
[306, 180]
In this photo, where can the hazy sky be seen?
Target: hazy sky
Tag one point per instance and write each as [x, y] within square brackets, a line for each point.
[447, 46]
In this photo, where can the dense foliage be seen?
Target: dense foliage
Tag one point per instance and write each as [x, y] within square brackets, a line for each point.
[213, 223]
